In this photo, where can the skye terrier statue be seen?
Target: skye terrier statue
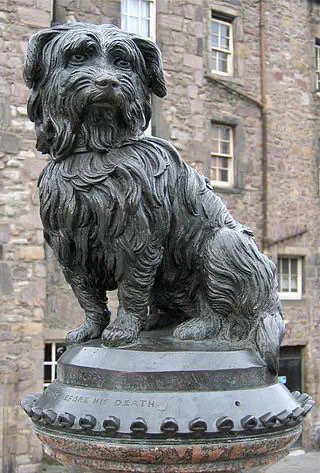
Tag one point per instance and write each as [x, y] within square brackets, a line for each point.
[122, 210]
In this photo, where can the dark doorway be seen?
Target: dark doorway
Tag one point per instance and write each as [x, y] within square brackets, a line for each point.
[290, 372]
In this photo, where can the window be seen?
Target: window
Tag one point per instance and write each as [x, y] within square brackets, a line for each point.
[290, 277]
[318, 66]
[52, 352]
[221, 46]
[138, 16]
[221, 161]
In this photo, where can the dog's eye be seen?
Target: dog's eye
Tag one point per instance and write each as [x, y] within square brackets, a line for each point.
[121, 62]
[78, 58]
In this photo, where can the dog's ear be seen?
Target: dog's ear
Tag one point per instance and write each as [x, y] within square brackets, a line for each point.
[153, 60]
[32, 65]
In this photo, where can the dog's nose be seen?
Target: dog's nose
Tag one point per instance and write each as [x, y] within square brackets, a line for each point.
[106, 82]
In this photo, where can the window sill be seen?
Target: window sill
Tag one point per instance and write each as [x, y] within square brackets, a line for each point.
[226, 190]
[224, 78]
[290, 298]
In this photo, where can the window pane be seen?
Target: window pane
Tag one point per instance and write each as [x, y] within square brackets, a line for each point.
[133, 25]
[222, 62]
[214, 41]
[294, 283]
[224, 163]
[47, 373]
[285, 266]
[133, 7]
[225, 133]
[225, 147]
[145, 9]
[224, 175]
[47, 352]
[225, 43]
[225, 31]
[215, 28]
[284, 283]
[124, 7]
[214, 61]
[124, 25]
[294, 266]
[145, 28]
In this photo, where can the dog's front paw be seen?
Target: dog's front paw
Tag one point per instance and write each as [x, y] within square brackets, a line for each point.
[87, 331]
[121, 332]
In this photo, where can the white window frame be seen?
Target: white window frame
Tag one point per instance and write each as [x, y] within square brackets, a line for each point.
[229, 51]
[229, 156]
[53, 362]
[291, 295]
[152, 19]
[317, 50]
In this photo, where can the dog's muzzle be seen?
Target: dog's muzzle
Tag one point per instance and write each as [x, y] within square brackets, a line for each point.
[107, 83]
[108, 88]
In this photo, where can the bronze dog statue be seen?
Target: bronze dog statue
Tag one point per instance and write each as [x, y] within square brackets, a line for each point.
[122, 210]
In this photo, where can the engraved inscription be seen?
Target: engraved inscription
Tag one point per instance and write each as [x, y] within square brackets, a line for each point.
[107, 401]
[76, 376]
[66, 397]
[134, 403]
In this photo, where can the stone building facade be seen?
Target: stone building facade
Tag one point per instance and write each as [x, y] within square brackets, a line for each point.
[242, 107]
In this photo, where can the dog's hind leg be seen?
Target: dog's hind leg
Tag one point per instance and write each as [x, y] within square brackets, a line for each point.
[237, 283]
[205, 325]
[93, 301]
[134, 291]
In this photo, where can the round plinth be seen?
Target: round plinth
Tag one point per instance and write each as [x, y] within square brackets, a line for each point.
[197, 455]
[163, 406]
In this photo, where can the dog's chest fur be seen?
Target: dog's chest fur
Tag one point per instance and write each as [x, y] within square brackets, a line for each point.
[95, 205]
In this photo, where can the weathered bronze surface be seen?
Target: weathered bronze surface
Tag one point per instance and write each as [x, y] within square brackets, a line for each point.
[121, 210]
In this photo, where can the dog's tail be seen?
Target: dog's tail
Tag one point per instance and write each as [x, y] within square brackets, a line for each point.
[242, 288]
[269, 334]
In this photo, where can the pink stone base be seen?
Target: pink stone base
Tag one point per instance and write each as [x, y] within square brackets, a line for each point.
[96, 454]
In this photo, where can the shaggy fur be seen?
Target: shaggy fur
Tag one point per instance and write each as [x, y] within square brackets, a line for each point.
[124, 211]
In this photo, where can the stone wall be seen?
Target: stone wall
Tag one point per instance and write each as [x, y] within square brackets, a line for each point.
[293, 177]
[36, 303]
[22, 260]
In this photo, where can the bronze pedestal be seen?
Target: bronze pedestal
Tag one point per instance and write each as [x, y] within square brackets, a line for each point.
[161, 406]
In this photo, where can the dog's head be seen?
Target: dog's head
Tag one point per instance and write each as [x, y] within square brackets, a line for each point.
[91, 85]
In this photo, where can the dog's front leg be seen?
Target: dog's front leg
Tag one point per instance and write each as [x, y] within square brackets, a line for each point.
[93, 300]
[134, 298]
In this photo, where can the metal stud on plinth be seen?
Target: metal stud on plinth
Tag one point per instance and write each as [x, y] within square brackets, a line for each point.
[161, 405]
